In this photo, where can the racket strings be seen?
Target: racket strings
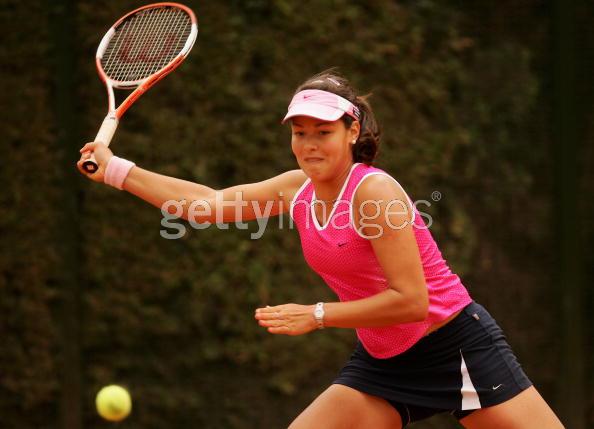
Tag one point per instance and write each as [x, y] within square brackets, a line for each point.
[145, 43]
[135, 56]
[148, 54]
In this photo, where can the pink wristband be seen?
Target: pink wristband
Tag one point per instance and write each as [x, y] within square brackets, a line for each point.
[116, 172]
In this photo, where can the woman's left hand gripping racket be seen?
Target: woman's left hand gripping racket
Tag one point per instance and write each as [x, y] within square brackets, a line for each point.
[140, 49]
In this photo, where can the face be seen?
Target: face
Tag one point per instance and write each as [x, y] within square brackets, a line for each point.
[322, 149]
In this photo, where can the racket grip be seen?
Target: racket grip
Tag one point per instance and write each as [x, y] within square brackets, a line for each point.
[105, 134]
[107, 130]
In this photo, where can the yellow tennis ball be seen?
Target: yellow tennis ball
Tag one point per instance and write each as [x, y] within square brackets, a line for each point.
[113, 403]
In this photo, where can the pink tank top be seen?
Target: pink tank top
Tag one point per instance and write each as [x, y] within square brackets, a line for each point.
[347, 263]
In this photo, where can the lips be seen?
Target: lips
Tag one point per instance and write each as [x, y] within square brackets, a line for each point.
[313, 159]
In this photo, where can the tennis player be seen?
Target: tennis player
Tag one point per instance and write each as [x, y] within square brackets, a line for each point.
[424, 346]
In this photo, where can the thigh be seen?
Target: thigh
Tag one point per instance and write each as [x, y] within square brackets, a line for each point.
[527, 410]
[341, 407]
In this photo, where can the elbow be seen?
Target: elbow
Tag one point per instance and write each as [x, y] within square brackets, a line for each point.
[422, 314]
[419, 308]
[412, 307]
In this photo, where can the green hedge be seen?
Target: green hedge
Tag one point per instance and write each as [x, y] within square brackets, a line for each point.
[462, 113]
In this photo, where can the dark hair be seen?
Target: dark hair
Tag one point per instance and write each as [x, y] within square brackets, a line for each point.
[366, 148]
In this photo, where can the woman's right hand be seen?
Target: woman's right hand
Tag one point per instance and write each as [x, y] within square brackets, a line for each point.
[102, 156]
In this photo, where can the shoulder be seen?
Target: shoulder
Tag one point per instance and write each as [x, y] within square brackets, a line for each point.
[379, 186]
[380, 202]
[286, 181]
[294, 177]
[290, 182]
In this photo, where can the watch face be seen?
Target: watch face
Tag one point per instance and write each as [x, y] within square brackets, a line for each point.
[319, 313]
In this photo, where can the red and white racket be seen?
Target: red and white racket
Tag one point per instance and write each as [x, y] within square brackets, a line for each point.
[140, 49]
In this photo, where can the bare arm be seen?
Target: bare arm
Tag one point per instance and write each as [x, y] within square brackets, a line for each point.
[238, 203]
[157, 189]
[406, 300]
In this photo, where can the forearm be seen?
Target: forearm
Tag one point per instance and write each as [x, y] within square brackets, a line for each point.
[386, 308]
[157, 189]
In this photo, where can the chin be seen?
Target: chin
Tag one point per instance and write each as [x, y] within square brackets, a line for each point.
[315, 170]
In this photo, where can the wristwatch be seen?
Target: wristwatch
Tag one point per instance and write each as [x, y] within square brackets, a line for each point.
[319, 314]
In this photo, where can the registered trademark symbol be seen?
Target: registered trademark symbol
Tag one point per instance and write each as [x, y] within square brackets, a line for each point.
[436, 196]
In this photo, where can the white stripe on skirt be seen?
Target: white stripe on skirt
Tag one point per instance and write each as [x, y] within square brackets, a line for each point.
[470, 398]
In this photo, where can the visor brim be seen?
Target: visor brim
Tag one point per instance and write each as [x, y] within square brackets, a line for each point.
[318, 111]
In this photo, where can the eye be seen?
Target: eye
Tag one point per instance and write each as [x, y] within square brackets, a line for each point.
[324, 132]
[298, 133]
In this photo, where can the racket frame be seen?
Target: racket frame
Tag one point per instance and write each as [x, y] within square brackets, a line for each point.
[110, 123]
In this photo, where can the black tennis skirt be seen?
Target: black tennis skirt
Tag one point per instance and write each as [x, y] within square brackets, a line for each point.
[463, 366]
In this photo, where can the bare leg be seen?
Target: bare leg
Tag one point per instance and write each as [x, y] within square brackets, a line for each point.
[341, 407]
[527, 410]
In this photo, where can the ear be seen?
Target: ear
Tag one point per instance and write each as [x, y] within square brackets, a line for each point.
[355, 130]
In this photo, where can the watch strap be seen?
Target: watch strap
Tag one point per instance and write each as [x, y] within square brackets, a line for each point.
[319, 315]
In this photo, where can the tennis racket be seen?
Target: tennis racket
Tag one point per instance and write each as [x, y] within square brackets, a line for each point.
[140, 49]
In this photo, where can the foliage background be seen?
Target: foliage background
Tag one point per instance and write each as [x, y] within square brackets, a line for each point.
[470, 96]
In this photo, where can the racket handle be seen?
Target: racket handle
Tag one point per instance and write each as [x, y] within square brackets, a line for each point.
[105, 134]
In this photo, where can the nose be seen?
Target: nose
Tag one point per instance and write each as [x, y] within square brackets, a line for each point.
[310, 143]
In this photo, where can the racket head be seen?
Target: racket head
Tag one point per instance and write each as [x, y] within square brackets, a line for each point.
[140, 49]
[146, 44]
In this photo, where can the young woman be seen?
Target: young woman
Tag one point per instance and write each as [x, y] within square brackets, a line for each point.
[425, 346]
